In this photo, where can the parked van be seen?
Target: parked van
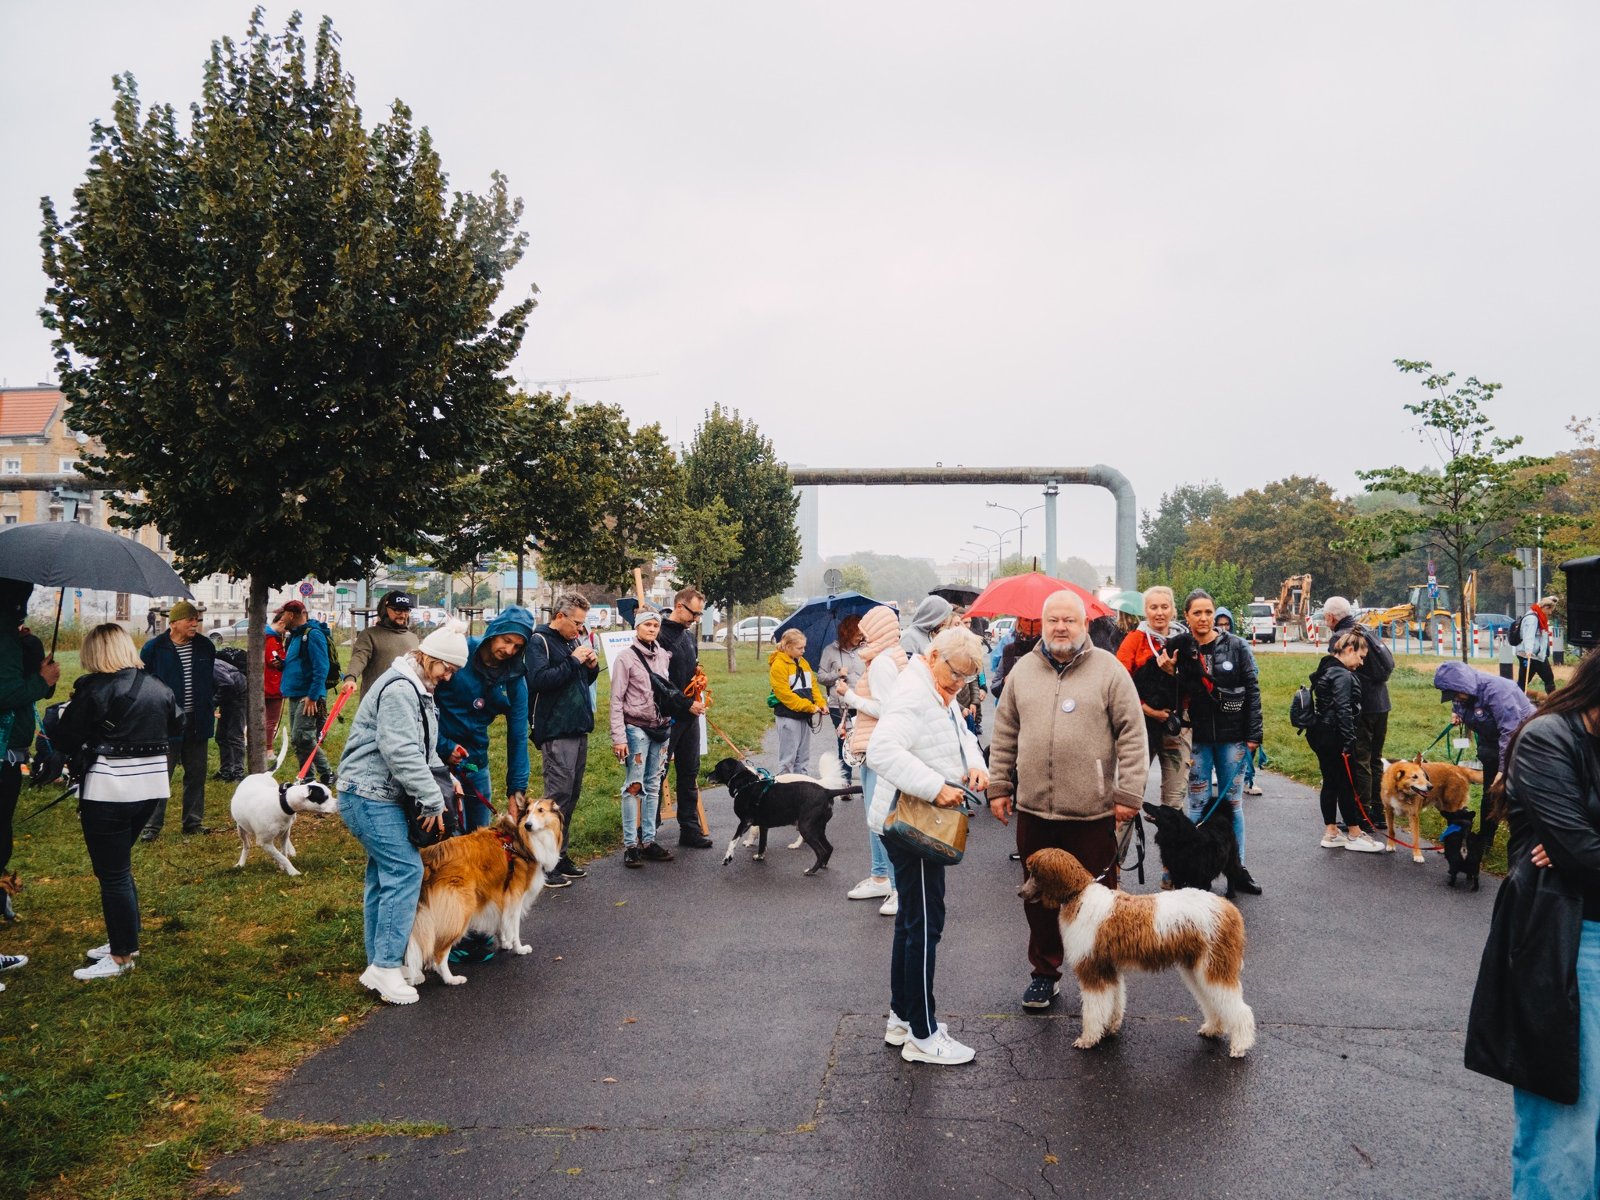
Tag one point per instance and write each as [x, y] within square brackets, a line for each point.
[1262, 622]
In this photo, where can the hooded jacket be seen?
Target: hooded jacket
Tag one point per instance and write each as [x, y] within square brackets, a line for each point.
[475, 695]
[1498, 706]
[932, 612]
[783, 672]
[558, 687]
[885, 660]
[1069, 738]
[305, 668]
[1374, 671]
[1336, 696]
[1535, 643]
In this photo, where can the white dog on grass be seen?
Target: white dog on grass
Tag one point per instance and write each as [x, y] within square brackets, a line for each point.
[264, 810]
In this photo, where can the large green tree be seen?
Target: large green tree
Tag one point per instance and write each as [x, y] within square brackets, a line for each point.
[706, 543]
[1164, 534]
[1288, 527]
[731, 459]
[1479, 502]
[280, 324]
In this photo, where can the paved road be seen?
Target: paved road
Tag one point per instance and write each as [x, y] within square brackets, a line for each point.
[690, 1030]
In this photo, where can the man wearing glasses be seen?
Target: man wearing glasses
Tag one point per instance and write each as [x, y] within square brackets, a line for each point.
[680, 635]
[1069, 759]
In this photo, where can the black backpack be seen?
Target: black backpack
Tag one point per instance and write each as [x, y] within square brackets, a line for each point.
[1303, 708]
[1514, 634]
[234, 656]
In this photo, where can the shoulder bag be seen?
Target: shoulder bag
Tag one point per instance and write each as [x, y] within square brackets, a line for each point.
[922, 827]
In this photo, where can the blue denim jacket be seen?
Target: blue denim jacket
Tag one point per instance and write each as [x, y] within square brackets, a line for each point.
[390, 752]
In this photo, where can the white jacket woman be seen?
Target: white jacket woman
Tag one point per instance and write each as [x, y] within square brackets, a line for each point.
[919, 741]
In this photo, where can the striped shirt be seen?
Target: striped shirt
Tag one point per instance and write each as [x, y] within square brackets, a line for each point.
[127, 780]
[186, 661]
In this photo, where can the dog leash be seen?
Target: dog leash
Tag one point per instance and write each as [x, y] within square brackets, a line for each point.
[71, 791]
[1362, 809]
[321, 737]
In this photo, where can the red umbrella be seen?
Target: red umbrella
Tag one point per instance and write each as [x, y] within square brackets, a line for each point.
[1024, 596]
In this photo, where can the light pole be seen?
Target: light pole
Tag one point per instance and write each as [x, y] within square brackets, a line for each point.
[1000, 560]
[1020, 513]
[985, 549]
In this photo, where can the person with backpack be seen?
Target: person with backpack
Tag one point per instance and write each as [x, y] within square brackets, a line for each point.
[1372, 726]
[305, 683]
[228, 684]
[1531, 638]
[1332, 731]
[640, 730]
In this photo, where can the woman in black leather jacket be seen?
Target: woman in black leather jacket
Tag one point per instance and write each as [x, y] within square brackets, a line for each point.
[1535, 1019]
[1336, 692]
[115, 732]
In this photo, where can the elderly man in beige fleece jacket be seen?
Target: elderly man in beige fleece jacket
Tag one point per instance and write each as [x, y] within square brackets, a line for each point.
[1069, 758]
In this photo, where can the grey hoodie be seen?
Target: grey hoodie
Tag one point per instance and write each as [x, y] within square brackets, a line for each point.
[932, 612]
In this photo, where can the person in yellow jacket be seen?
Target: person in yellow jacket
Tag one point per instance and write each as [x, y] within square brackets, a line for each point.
[797, 700]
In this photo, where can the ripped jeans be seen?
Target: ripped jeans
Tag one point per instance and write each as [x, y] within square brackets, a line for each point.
[1225, 760]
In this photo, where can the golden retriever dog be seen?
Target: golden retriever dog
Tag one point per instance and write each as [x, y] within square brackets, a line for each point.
[482, 881]
[1104, 932]
[1411, 784]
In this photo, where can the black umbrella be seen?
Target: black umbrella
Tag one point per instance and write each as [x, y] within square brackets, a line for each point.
[63, 554]
[957, 593]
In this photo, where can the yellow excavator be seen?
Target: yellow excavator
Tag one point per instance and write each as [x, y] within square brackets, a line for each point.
[1293, 611]
[1425, 616]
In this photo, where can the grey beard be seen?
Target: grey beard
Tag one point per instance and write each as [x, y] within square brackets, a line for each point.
[1062, 651]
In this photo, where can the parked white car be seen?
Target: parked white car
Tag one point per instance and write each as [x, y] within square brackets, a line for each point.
[1262, 621]
[745, 630]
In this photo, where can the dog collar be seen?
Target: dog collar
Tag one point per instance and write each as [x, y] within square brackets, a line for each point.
[283, 799]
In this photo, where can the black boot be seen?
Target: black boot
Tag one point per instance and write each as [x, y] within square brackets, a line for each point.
[690, 837]
[1246, 883]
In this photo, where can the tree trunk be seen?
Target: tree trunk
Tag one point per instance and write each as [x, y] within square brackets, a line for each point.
[1463, 622]
[732, 667]
[255, 676]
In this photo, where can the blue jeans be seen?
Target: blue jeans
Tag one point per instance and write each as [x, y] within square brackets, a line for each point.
[1553, 1150]
[1225, 760]
[882, 868]
[394, 876]
[478, 812]
[647, 760]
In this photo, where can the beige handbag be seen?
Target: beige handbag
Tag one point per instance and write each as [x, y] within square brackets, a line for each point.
[922, 827]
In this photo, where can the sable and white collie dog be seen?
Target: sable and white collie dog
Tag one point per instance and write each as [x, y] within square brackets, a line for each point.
[1105, 931]
[482, 881]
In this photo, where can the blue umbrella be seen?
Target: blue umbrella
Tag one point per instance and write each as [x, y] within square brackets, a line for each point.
[819, 617]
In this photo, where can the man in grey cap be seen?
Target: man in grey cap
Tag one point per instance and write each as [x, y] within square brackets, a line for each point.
[378, 645]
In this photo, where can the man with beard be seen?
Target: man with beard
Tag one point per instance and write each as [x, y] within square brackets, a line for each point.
[381, 643]
[1069, 759]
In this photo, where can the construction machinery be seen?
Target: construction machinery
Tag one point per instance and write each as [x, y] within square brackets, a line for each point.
[1293, 611]
[1428, 615]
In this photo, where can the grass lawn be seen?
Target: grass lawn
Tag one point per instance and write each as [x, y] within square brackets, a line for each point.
[127, 1088]
[1415, 720]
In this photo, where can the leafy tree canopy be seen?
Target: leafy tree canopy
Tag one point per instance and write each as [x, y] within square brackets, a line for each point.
[1164, 534]
[1288, 527]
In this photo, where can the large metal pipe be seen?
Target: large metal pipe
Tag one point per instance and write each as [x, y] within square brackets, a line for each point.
[1099, 475]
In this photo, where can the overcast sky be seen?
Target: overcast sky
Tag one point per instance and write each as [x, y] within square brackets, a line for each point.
[1182, 239]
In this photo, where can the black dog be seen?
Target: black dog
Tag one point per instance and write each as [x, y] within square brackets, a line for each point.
[796, 800]
[1193, 854]
[1463, 849]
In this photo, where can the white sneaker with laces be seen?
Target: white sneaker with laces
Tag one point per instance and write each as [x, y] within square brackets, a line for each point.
[1252, 790]
[104, 968]
[389, 983]
[102, 951]
[1334, 840]
[1363, 843]
[870, 888]
[891, 906]
[898, 1032]
[941, 1050]
[10, 962]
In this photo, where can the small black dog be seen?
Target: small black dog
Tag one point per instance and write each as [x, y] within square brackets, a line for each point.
[1193, 854]
[796, 800]
[1464, 849]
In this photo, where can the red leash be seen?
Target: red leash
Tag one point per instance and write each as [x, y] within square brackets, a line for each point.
[326, 725]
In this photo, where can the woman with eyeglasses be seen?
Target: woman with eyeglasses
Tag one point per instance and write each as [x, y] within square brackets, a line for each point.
[923, 748]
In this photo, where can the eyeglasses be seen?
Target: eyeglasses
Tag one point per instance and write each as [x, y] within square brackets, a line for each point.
[696, 612]
[957, 675]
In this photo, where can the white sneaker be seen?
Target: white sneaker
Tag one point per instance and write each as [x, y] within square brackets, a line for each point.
[1252, 790]
[870, 888]
[941, 1050]
[1363, 843]
[891, 906]
[103, 951]
[389, 983]
[1334, 840]
[898, 1032]
[104, 968]
[10, 962]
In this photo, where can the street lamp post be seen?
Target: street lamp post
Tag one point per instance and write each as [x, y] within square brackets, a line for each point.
[1020, 514]
[985, 550]
[1000, 560]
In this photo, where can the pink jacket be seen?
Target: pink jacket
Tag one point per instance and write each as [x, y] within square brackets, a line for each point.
[885, 660]
[632, 701]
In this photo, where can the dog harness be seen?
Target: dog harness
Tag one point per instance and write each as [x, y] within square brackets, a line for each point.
[283, 799]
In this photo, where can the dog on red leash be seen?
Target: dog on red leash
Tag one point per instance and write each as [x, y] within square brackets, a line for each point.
[1104, 932]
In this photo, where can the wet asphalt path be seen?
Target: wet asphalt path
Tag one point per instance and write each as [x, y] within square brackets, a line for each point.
[694, 1030]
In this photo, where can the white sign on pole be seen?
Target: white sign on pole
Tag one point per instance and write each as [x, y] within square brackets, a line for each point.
[614, 642]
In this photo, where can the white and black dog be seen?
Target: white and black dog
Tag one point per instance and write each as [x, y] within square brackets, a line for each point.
[264, 810]
[766, 803]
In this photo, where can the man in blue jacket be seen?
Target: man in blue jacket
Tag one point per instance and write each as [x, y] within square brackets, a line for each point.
[182, 659]
[560, 670]
[305, 684]
[494, 683]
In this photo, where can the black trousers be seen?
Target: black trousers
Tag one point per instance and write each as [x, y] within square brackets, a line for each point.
[10, 790]
[1372, 729]
[684, 747]
[1531, 666]
[1338, 793]
[230, 738]
[109, 831]
[1483, 835]
[190, 754]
